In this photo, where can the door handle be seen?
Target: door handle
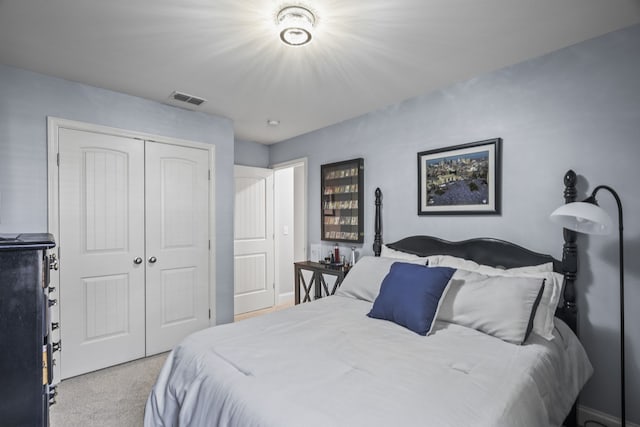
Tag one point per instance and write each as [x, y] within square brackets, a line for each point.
[137, 260]
[152, 260]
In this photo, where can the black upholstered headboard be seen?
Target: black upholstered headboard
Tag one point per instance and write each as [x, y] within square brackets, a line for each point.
[497, 253]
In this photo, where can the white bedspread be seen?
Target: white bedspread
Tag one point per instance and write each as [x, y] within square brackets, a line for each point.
[326, 363]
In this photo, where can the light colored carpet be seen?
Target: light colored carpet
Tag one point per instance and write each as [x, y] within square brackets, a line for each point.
[112, 397]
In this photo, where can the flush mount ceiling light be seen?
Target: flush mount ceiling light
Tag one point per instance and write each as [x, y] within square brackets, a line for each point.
[295, 24]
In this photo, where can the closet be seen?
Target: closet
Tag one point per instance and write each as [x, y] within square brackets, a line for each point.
[134, 247]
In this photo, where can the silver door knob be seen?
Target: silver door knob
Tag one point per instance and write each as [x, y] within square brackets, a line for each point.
[137, 260]
[152, 259]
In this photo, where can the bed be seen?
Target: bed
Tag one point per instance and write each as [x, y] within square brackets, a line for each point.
[330, 363]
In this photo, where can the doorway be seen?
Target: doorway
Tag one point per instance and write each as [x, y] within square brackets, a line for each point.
[270, 234]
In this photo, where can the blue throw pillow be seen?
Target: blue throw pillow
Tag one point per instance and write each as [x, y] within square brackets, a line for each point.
[409, 295]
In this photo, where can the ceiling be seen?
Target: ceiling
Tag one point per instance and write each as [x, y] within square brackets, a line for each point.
[366, 54]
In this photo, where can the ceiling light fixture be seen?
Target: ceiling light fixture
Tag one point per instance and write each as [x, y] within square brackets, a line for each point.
[295, 24]
[273, 122]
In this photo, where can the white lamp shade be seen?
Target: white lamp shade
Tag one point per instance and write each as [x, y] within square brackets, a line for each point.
[583, 217]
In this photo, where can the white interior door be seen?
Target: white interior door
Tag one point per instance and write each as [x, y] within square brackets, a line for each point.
[177, 243]
[101, 184]
[253, 239]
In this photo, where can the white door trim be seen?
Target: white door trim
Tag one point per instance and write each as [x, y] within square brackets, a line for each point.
[53, 125]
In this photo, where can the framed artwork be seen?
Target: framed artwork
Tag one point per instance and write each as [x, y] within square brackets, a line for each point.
[462, 179]
[342, 217]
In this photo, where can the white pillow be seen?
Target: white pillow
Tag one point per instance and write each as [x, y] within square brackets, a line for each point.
[365, 277]
[466, 264]
[544, 322]
[387, 252]
[501, 306]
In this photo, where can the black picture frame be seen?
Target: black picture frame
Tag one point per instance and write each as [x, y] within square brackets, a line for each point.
[461, 180]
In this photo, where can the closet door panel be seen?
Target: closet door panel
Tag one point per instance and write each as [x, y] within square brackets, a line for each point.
[101, 233]
[177, 247]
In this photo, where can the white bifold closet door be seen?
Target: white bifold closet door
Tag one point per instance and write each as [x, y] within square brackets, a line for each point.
[133, 244]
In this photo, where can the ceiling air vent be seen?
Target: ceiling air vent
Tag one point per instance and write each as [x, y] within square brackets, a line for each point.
[189, 99]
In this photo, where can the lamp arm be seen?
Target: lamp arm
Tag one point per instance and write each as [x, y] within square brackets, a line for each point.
[622, 336]
[615, 196]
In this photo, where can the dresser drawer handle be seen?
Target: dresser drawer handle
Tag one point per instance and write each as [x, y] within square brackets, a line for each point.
[53, 262]
[53, 392]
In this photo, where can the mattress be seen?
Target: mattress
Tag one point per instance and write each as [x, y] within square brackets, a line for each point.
[326, 363]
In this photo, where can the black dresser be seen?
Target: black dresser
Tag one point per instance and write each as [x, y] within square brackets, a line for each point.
[25, 326]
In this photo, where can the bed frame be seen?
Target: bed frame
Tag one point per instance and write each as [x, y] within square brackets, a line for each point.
[500, 253]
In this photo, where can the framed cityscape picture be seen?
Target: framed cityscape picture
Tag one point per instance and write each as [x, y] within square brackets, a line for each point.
[462, 179]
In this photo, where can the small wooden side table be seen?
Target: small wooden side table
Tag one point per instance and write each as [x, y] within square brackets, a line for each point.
[317, 283]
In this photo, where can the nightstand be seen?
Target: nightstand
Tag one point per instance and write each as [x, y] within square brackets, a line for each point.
[317, 284]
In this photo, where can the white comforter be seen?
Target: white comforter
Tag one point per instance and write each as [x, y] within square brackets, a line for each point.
[326, 363]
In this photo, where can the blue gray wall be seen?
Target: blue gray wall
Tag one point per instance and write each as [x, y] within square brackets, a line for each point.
[249, 153]
[26, 99]
[577, 108]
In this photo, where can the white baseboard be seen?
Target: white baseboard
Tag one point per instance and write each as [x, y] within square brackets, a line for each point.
[585, 413]
[286, 298]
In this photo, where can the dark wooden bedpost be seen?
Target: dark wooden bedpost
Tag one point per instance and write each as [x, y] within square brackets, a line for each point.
[570, 258]
[569, 311]
[377, 240]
